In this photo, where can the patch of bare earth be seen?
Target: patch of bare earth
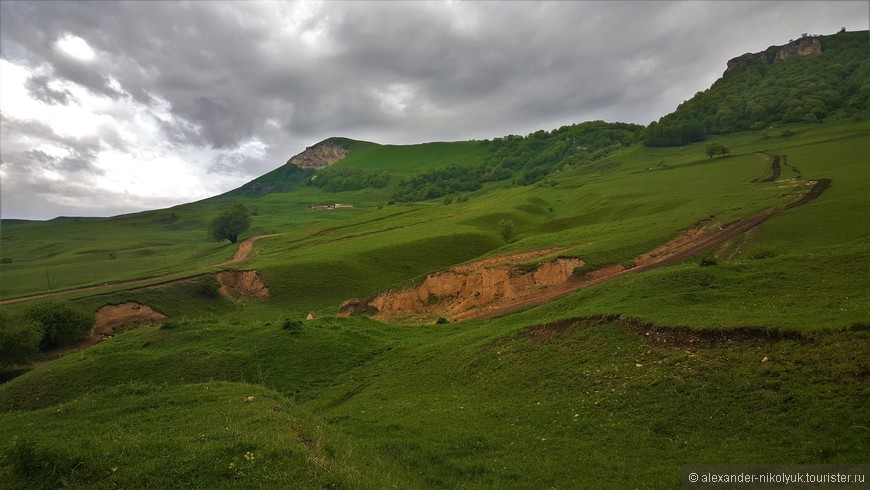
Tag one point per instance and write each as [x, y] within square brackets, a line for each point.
[488, 283]
[108, 319]
[493, 287]
[242, 285]
[245, 249]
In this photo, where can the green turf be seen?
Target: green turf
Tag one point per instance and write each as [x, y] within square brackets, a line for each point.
[352, 403]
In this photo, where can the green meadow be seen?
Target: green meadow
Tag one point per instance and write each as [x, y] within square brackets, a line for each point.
[759, 357]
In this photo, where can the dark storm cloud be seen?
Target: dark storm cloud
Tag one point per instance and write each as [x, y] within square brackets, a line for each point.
[39, 89]
[290, 74]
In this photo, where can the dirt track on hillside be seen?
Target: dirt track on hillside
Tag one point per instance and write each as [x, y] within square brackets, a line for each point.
[245, 249]
[407, 304]
[241, 254]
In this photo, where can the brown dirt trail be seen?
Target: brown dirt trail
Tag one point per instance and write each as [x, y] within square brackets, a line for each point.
[431, 300]
[241, 254]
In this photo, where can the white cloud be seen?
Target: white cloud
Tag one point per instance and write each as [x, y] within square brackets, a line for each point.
[76, 47]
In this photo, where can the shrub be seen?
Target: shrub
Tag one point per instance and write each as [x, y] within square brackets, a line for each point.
[19, 340]
[172, 324]
[208, 286]
[441, 321]
[707, 262]
[5, 260]
[60, 323]
[291, 324]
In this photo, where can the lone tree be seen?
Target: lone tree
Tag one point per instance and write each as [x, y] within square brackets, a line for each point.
[506, 229]
[229, 224]
[714, 149]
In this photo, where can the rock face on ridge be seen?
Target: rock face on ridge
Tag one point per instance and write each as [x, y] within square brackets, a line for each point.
[319, 156]
[804, 46]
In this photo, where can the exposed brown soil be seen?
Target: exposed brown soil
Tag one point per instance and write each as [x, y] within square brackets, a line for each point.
[245, 249]
[242, 254]
[659, 336]
[775, 169]
[489, 282]
[111, 317]
[241, 285]
[458, 294]
[107, 320]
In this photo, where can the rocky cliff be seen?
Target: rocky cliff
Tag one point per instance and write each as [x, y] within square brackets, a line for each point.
[319, 156]
[804, 46]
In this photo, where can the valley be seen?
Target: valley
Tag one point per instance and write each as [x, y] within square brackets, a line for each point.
[586, 307]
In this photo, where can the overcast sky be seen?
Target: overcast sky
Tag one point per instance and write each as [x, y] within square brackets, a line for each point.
[112, 107]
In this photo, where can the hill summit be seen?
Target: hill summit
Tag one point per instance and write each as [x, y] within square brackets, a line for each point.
[319, 156]
[805, 46]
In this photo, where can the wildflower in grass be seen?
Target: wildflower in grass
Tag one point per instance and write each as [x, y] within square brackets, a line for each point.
[249, 457]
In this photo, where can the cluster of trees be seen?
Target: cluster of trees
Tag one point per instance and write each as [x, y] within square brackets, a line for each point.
[678, 134]
[347, 179]
[444, 181]
[537, 155]
[41, 327]
[768, 91]
[525, 159]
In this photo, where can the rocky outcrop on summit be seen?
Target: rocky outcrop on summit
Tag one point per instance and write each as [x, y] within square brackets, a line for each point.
[804, 46]
[319, 156]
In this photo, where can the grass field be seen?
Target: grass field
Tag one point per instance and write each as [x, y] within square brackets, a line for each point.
[761, 357]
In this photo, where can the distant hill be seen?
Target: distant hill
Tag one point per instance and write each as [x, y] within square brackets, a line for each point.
[810, 79]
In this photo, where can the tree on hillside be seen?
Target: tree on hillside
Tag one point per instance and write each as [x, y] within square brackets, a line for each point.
[714, 149]
[506, 229]
[60, 323]
[19, 339]
[229, 224]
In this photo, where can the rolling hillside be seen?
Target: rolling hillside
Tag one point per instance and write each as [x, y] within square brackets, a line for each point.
[746, 349]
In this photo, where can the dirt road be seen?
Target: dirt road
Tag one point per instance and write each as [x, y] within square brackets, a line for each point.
[242, 254]
[675, 255]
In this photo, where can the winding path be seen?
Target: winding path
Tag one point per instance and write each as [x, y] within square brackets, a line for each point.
[705, 242]
[242, 254]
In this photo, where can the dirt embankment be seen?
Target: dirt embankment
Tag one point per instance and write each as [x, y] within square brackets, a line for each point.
[489, 282]
[241, 285]
[107, 319]
[488, 288]
[775, 169]
[111, 317]
[245, 249]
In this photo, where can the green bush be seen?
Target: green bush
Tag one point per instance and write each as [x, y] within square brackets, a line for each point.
[60, 323]
[291, 324]
[173, 324]
[19, 340]
[707, 261]
[208, 286]
[5, 260]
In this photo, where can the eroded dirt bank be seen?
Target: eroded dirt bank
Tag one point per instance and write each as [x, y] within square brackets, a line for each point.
[242, 285]
[111, 317]
[485, 283]
[493, 287]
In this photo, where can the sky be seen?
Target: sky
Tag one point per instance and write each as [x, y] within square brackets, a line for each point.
[115, 107]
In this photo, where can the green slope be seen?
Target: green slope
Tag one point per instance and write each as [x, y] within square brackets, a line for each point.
[760, 357]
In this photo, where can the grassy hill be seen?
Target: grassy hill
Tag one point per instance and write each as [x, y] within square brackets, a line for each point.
[758, 355]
